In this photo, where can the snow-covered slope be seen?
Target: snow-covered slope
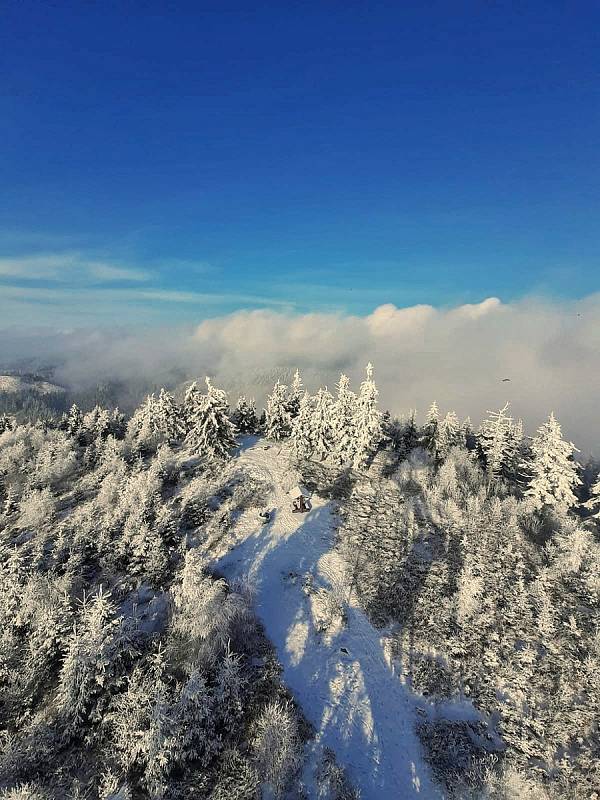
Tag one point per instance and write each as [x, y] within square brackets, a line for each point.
[14, 384]
[338, 675]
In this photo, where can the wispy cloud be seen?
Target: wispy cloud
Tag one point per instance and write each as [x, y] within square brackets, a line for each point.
[76, 284]
[39, 267]
[107, 272]
[68, 267]
[119, 295]
[62, 305]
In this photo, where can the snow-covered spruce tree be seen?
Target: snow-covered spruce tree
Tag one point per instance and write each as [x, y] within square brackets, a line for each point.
[36, 508]
[301, 433]
[36, 619]
[392, 428]
[295, 395]
[410, 433]
[118, 424]
[468, 434]
[156, 420]
[96, 424]
[169, 416]
[342, 423]
[277, 746]
[494, 440]
[367, 420]
[71, 420]
[210, 433]
[277, 419]
[191, 402]
[450, 434]
[196, 716]
[142, 428]
[430, 435]
[144, 550]
[55, 461]
[90, 660]
[320, 424]
[552, 469]
[515, 448]
[140, 725]
[244, 416]
[593, 504]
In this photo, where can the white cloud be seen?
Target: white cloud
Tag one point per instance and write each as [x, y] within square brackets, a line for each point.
[100, 300]
[457, 356]
[67, 267]
[47, 267]
[106, 272]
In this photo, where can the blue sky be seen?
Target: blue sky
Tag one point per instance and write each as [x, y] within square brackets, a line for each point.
[169, 161]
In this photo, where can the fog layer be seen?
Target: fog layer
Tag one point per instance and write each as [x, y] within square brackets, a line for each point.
[549, 351]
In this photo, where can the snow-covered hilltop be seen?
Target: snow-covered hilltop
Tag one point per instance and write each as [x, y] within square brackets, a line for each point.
[417, 618]
[15, 384]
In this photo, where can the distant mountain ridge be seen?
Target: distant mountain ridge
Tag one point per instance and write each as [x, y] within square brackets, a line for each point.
[15, 384]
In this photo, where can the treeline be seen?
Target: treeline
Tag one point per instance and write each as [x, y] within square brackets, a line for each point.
[346, 430]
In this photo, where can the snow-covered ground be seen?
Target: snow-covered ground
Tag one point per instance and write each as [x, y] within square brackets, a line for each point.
[13, 384]
[338, 675]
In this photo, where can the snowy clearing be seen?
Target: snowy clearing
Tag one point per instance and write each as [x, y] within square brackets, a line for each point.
[337, 673]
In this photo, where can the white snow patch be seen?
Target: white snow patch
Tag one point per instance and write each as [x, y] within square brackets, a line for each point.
[295, 643]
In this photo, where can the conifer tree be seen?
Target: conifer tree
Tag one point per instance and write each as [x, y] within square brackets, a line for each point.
[593, 504]
[5, 423]
[301, 433]
[191, 402]
[468, 434]
[89, 661]
[320, 424]
[244, 416]
[296, 392]
[96, 424]
[450, 434]
[71, 420]
[211, 432]
[343, 422]
[367, 420]
[494, 442]
[277, 418]
[146, 550]
[118, 424]
[410, 433]
[430, 437]
[552, 469]
[143, 427]
[514, 452]
[168, 416]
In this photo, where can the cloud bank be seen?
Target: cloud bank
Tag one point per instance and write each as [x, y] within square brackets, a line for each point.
[458, 356]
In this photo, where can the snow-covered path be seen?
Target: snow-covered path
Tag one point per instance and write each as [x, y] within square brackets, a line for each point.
[341, 678]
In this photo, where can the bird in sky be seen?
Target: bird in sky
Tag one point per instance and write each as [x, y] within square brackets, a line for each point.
[505, 380]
